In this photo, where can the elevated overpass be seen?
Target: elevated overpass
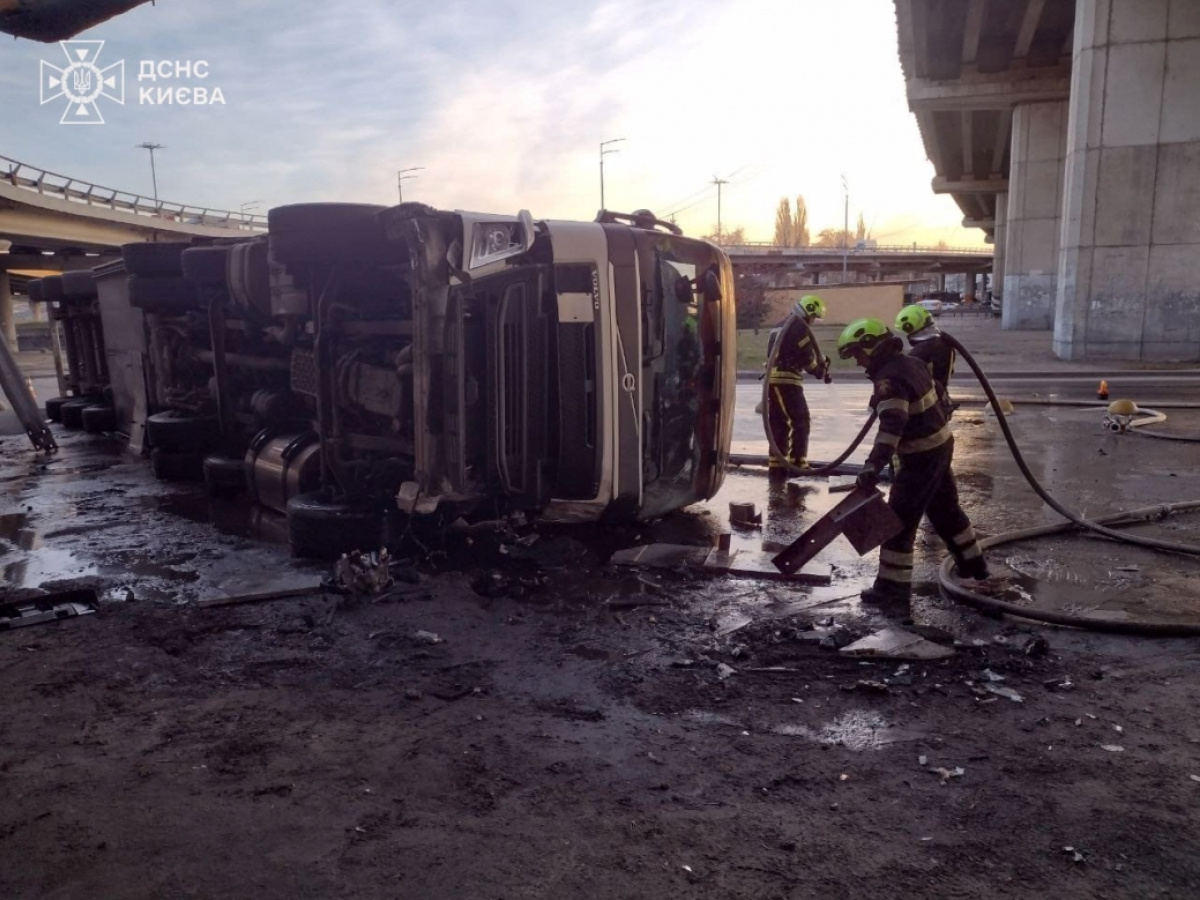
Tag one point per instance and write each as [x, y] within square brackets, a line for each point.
[52, 222]
[878, 263]
[1069, 131]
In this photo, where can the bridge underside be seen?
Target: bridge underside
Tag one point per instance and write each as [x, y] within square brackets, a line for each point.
[1069, 131]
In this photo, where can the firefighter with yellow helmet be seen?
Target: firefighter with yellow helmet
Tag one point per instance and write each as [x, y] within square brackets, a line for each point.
[787, 411]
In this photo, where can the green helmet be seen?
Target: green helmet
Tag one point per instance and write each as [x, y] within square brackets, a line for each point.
[861, 334]
[810, 306]
[913, 318]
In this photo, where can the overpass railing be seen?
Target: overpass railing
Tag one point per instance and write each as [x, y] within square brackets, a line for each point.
[51, 184]
[766, 247]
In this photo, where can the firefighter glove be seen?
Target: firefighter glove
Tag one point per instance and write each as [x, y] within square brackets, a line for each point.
[868, 478]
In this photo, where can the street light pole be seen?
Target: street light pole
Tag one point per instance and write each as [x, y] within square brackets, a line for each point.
[845, 227]
[400, 177]
[718, 182]
[603, 153]
[153, 175]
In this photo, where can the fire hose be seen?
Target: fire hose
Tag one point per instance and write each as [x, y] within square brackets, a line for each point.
[1104, 527]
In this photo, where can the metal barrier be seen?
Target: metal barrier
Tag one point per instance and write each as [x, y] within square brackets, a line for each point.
[51, 184]
[765, 247]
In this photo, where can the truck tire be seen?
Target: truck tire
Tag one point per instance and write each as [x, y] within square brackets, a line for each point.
[170, 465]
[155, 260]
[322, 528]
[99, 419]
[180, 432]
[224, 477]
[78, 286]
[72, 412]
[327, 233]
[164, 296]
[205, 264]
[54, 408]
[52, 289]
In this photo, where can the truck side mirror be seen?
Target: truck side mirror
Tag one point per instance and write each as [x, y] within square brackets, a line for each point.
[712, 287]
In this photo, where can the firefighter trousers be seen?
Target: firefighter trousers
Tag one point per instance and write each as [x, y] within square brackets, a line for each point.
[787, 416]
[924, 486]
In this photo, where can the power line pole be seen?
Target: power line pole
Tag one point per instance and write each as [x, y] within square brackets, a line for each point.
[604, 153]
[718, 182]
[845, 228]
[153, 175]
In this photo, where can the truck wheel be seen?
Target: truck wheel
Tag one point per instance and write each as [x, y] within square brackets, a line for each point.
[322, 528]
[54, 408]
[169, 465]
[99, 419]
[327, 233]
[164, 296]
[78, 286]
[207, 264]
[224, 477]
[72, 412]
[180, 432]
[154, 259]
[52, 289]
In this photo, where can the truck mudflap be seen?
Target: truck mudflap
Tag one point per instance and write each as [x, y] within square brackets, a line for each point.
[20, 396]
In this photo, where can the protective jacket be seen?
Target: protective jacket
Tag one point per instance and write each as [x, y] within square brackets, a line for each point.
[798, 353]
[912, 418]
[938, 356]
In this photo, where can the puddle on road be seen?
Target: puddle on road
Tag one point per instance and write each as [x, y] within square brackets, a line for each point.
[236, 518]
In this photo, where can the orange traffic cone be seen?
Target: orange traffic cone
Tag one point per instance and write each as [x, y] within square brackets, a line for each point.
[1102, 391]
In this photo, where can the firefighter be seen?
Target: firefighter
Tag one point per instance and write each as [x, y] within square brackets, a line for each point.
[787, 411]
[927, 344]
[913, 427]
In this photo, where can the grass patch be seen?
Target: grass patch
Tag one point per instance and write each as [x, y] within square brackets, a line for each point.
[752, 348]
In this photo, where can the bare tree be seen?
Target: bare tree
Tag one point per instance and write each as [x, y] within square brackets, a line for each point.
[727, 238]
[860, 233]
[785, 229]
[833, 237]
[800, 223]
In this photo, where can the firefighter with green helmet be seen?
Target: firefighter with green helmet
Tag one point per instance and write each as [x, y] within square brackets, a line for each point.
[927, 344]
[787, 410]
[913, 427]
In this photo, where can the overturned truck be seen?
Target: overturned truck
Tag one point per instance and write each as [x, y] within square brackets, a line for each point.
[362, 367]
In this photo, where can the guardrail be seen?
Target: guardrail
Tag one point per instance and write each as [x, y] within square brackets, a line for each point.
[51, 184]
[765, 247]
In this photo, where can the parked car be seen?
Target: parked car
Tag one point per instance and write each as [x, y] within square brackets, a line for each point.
[934, 306]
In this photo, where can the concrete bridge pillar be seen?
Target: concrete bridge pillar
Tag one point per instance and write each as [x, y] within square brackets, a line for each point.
[1035, 192]
[999, 237]
[1127, 286]
[8, 325]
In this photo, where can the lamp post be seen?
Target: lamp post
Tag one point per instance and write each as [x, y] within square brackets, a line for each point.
[401, 177]
[153, 175]
[603, 153]
[718, 182]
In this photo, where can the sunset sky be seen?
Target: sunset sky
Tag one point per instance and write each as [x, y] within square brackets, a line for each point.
[504, 105]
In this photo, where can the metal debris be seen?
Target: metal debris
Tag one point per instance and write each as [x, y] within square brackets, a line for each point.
[364, 573]
[894, 643]
[1005, 692]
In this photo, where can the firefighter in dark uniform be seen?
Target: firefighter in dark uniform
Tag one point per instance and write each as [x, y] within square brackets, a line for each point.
[927, 344]
[787, 410]
[913, 427]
